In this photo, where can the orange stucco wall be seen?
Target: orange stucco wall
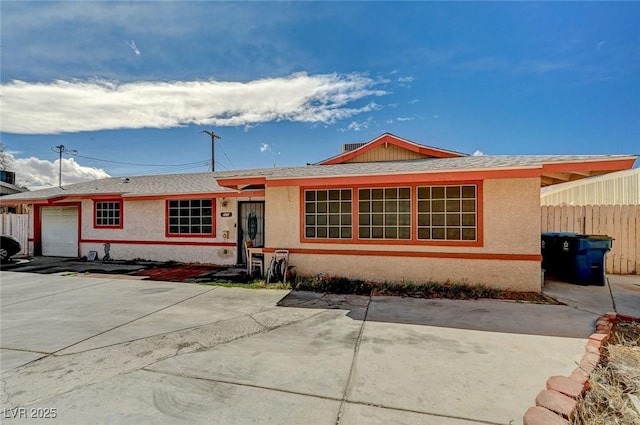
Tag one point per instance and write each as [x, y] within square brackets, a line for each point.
[508, 257]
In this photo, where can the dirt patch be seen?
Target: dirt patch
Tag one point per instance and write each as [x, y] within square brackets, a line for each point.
[175, 273]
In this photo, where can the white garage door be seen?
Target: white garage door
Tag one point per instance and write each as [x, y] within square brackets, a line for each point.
[60, 231]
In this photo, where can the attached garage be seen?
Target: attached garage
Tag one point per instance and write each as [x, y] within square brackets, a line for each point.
[59, 231]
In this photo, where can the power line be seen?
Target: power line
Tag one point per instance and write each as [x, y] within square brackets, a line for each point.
[225, 155]
[203, 164]
[133, 163]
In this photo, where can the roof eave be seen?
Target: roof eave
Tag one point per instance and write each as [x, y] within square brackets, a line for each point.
[566, 171]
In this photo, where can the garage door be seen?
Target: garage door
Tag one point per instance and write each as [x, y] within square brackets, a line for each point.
[60, 231]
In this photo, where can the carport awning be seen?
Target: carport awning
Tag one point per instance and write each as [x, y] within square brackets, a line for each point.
[565, 172]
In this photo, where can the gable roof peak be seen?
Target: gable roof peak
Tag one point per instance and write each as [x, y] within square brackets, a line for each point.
[355, 152]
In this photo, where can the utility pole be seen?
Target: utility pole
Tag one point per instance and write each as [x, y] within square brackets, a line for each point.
[214, 136]
[61, 150]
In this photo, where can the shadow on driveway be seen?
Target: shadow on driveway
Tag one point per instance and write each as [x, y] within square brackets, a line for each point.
[480, 315]
[169, 271]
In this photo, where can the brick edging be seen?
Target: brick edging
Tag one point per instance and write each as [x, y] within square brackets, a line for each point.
[556, 404]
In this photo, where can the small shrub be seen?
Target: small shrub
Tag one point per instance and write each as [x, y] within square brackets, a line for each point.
[333, 285]
[458, 291]
[342, 285]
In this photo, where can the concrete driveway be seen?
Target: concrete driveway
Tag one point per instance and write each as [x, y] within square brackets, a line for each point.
[106, 350]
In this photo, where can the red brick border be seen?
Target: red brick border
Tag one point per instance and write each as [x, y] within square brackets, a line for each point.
[557, 403]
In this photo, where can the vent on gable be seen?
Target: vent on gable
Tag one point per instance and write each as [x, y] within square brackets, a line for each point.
[347, 147]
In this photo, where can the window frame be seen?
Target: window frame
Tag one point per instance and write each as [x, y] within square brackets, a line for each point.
[413, 185]
[120, 203]
[383, 213]
[305, 214]
[168, 217]
[446, 213]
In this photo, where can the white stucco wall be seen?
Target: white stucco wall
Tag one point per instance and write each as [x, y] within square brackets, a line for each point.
[144, 223]
[511, 210]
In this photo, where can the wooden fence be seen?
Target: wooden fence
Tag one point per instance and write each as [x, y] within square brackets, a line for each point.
[621, 222]
[16, 225]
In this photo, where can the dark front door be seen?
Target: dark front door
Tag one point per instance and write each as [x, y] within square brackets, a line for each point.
[250, 226]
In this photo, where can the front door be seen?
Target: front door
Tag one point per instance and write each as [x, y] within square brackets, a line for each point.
[250, 226]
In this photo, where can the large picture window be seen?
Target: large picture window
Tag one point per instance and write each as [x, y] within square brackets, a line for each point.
[421, 214]
[190, 217]
[447, 213]
[108, 214]
[328, 214]
[384, 213]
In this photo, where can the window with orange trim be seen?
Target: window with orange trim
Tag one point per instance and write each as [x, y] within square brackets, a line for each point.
[384, 213]
[425, 214]
[328, 214]
[108, 214]
[190, 217]
[447, 213]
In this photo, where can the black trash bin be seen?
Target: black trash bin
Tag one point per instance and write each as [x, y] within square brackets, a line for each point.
[576, 258]
[553, 256]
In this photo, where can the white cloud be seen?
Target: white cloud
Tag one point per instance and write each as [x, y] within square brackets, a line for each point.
[405, 79]
[75, 106]
[264, 147]
[404, 118]
[133, 47]
[478, 153]
[36, 173]
[357, 126]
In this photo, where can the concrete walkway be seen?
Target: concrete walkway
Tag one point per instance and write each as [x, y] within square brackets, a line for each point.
[621, 294]
[102, 350]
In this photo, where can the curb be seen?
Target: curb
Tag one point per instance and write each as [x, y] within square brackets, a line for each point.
[556, 404]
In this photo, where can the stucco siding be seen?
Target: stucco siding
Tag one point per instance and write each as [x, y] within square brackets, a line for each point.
[511, 209]
[282, 217]
[512, 216]
[160, 252]
[511, 220]
[512, 274]
[144, 222]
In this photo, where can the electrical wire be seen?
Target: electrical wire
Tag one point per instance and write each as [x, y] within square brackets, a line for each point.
[133, 163]
[160, 168]
[225, 155]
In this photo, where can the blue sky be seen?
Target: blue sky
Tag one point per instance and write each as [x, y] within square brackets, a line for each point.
[287, 83]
